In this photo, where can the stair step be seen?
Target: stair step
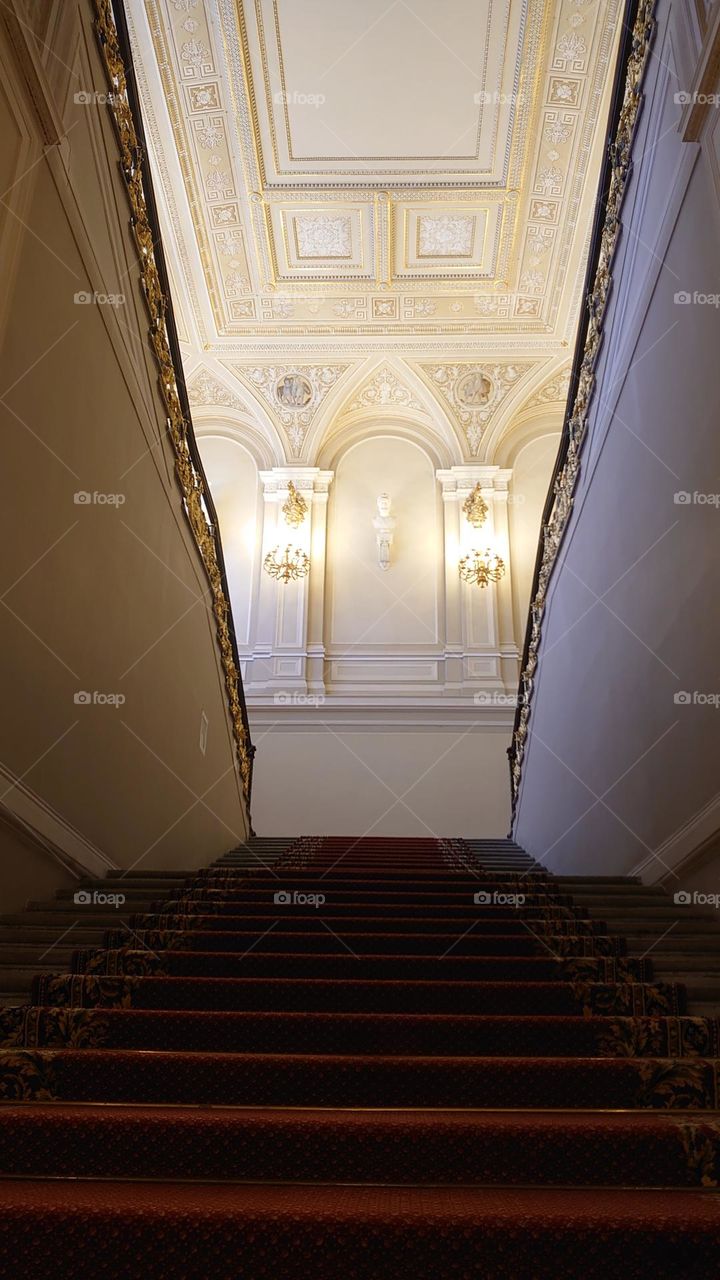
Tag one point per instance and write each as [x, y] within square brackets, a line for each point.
[196, 1230]
[468, 1037]
[393, 1147]
[269, 1079]
[60, 916]
[338, 1046]
[21, 953]
[38, 935]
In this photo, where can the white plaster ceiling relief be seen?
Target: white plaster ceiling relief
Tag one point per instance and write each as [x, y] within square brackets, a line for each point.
[384, 389]
[196, 58]
[539, 240]
[293, 393]
[570, 52]
[532, 282]
[558, 130]
[203, 389]
[446, 236]
[553, 391]
[323, 236]
[474, 393]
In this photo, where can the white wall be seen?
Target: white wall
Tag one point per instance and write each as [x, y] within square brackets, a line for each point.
[362, 682]
[233, 478]
[447, 782]
[398, 606]
[532, 469]
[617, 775]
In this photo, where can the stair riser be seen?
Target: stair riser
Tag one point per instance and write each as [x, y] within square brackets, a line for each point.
[267, 1080]
[288, 1150]
[362, 1035]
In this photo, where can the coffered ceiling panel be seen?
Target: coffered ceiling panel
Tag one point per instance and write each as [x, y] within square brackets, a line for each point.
[315, 241]
[340, 179]
[340, 88]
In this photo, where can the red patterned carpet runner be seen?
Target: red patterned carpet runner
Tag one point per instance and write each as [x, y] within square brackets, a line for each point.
[374, 1058]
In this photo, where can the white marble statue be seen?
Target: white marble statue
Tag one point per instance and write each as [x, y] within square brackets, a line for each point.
[385, 525]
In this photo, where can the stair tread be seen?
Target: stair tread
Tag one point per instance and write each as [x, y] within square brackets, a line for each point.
[474, 1206]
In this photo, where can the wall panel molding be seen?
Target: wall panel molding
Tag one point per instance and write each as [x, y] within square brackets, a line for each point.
[24, 809]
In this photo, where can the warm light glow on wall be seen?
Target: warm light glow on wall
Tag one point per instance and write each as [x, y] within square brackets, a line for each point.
[291, 563]
[481, 562]
[249, 536]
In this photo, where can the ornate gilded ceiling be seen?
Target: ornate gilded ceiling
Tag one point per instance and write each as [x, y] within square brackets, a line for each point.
[342, 181]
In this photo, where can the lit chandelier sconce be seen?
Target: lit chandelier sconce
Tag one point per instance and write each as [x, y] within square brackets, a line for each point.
[295, 563]
[479, 567]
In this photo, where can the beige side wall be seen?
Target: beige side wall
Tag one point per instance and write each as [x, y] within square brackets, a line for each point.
[27, 871]
[620, 774]
[99, 597]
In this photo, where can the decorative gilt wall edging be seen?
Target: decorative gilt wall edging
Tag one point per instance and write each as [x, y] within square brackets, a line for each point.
[190, 479]
[566, 481]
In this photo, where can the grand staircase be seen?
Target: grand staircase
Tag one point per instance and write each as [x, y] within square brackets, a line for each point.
[360, 1058]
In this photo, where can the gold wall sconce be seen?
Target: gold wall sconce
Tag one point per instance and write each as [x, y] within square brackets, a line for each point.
[294, 563]
[294, 508]
[476, 508]
[293, 566]
[479, 567]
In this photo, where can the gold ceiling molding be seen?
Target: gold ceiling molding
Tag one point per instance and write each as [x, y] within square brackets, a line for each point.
[280, 255]
[474, 393]
[565, 484]
[182, 46]
[190, 480]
